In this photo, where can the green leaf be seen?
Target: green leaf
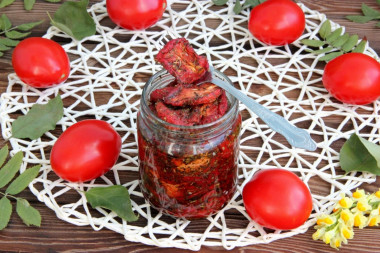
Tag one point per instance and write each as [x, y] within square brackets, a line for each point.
[378, 24]
[360, 47]
[29, 26]
[22, 181]
[9, 42]
[28, 214]
[4, 48]
[10, 169]
[322, 51]
[312, 43]
[250, 3]
[115, 198]
[16, 35]
[330, 56]
[334, 35]
[5, 23]
[39, 120]
[359, 19]
[219, 2]
[28, 4]
[1, 53]
[370, 12]
[325, 29]
[237, 7]
[73, 19]
[341, 40]
[350, 43]
[4, 3]
[5, 211]
[3, 154]
[378, 2]
[358, 154]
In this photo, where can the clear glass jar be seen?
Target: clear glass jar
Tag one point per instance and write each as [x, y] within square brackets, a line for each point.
[187, 171]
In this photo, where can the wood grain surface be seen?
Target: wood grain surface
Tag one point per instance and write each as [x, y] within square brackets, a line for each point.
[55, 235]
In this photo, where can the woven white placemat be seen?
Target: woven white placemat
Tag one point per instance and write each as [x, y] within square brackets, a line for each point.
[112, 62]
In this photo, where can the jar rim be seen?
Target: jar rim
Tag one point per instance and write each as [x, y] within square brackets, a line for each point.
[228, 114]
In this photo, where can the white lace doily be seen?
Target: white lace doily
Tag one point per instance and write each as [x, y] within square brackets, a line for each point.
[113, 65]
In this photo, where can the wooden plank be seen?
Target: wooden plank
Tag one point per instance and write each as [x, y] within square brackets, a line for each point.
[57, 235]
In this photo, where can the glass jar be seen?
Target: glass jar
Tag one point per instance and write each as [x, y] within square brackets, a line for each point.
[187, 171]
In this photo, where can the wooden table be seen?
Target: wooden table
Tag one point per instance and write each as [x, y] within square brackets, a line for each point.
[56, 235]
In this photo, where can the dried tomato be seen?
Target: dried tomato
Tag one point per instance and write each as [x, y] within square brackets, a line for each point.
[194, 95]
[181, 61]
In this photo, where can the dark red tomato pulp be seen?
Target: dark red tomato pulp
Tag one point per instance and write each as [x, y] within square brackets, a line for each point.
[190, 186]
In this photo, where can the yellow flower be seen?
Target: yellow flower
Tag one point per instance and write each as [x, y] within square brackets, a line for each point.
[336, 242]
[373, 221]
[377, 194]
[374, 218]
[325, 219]
[344, 202]
[359, 220]
[347, 232]
[362, 205]
[358, 194]
[318, 234]
[347, 217]
[329, 235]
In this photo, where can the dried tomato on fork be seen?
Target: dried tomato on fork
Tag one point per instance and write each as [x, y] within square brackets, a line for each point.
[182, 62]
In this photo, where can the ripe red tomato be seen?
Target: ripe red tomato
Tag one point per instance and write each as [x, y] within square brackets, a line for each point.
[277, 22]
[277, 199]
[135, 14]
[40, 62]
[85, 151]
[353, 78]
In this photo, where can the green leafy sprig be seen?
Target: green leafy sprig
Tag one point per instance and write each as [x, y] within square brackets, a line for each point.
[73, 19]
[359, 154]
[39, 119]
[369, 14]
[334, 43]
[28, 214]
[238, 7]
[28, 4]
[10, 35]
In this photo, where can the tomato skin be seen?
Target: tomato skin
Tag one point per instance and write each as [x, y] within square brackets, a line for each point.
[277, 22]
[277, 199]
[40, 62]
[135, 14]
[353, 78]
[85, 151]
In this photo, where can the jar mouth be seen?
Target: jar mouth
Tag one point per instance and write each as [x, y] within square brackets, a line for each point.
[161, 74]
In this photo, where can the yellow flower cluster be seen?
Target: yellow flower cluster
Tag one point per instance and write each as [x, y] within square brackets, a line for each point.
[360, 210]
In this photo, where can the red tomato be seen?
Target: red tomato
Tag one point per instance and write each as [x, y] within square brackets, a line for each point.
[40, 62]
[277, 199]
[85, 151]
[277, 22]
[135, 14]
[353, 78]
